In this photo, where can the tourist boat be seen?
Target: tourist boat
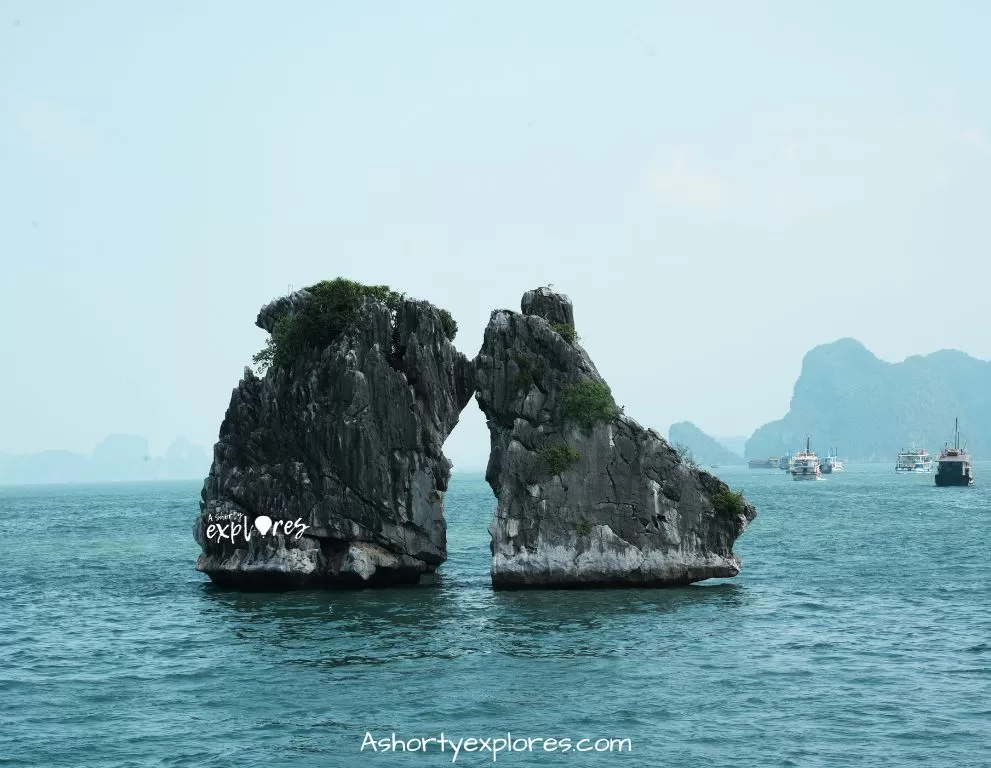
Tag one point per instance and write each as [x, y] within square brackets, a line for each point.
[806, 464]
[770, 463]
[785, 463]
[832, 463]
[914, 460]
[953, 466]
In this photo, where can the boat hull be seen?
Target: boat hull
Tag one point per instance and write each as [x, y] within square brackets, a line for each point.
[953, 481]
[947, 479]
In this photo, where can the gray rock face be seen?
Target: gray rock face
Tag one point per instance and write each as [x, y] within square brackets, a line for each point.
[627, 511]
[342, 453]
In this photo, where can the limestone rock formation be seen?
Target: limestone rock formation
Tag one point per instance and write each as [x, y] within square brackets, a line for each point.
[339, 448]
[586, 496]
[847, 397]
[702, 448]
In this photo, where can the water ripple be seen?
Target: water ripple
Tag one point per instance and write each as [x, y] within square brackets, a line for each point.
[856, 635]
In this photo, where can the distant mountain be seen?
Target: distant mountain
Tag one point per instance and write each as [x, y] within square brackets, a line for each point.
[704, 449]
[736, 444]
[119, 457]
[185, 460]
[116, 458]
[868, 409]
[44, 467]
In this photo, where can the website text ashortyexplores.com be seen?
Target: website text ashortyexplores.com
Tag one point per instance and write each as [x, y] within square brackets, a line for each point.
[495, 745]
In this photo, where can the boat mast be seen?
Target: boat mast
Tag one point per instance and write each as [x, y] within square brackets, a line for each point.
[956, 433]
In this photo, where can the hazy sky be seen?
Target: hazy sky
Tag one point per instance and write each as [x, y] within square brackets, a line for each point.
[718, 186]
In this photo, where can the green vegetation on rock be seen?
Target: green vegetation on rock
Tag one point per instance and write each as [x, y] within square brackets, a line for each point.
[554, 459]
[449, 323]
[587, 403]
[332, 309]
[583, 527]
[728, 503]
[531, 370]
[566, 331]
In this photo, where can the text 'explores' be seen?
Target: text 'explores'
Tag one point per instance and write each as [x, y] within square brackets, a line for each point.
[232, 529]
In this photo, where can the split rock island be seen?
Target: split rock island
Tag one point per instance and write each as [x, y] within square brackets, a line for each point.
[329, 470]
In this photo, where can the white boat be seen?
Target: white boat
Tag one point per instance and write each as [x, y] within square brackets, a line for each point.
[832, 463]
[914, 460]
[805, 465]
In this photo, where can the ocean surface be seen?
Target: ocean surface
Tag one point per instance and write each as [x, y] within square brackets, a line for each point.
[858, 634]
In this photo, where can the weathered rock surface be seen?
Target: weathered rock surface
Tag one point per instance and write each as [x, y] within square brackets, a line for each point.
[628, 511]
[347, 440]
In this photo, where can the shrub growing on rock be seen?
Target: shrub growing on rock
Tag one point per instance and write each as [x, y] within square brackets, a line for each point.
[588, 402]
[685, 455]
[449, 323]
[566, 331]
[531, 369]
[728, 503]
[556, 458]
[332, 308]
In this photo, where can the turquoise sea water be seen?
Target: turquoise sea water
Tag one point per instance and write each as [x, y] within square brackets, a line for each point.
[858, 634]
